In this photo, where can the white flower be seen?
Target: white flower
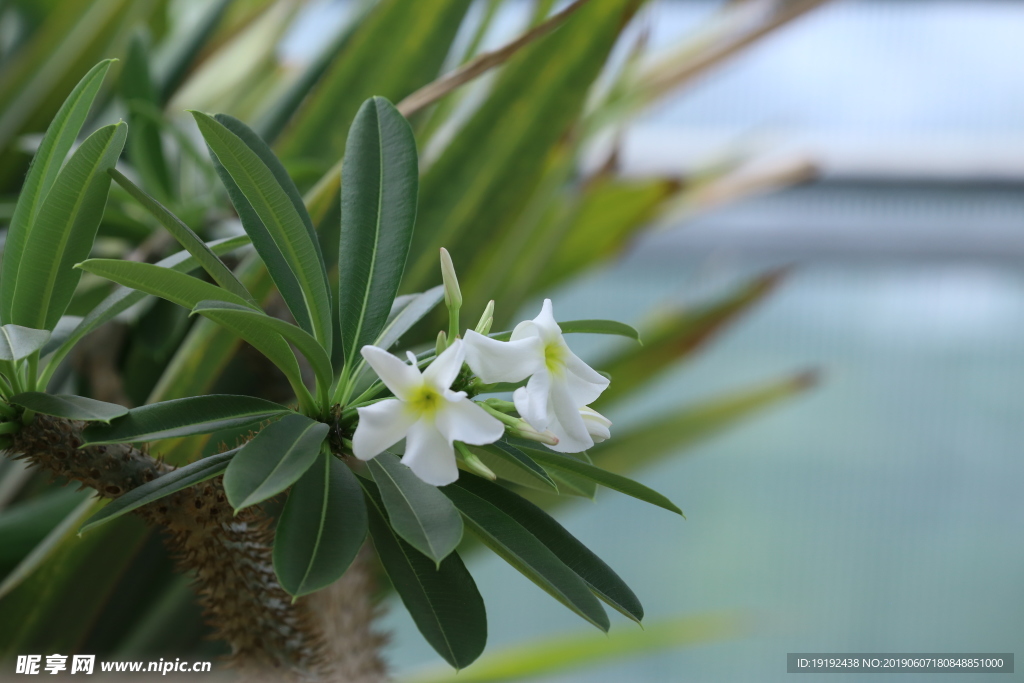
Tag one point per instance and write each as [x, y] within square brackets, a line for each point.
[425, 412]
[560, 383]
[596, 423]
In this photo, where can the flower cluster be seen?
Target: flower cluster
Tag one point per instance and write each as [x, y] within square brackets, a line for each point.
[431, 417]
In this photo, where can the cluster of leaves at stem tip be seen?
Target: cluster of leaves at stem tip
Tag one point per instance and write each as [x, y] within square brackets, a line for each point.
[328, 452]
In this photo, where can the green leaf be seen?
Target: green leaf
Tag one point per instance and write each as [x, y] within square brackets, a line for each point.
[605, 478]
[183, 47]
[242, 318]
[183, 417]
[378, 210]
[443, 601]
[409, 315]
[545, 658]
[479, 185]
[145, 146]
[279, 207]
[172, 482]
[508, 453]
[321, 529]
[64, 231]
[674, 335]
[665, 435]
[585, 327]
[515, 544]
[599, 327]
[603, 581]
[60, 136]
[273, 460]
[415, 36]
[192, 243]
[69, 407]
[17, 342]
[419, 512]
[123, 298]
[166, 283]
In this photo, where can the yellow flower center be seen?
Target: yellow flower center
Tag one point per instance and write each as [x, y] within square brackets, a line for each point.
[425, 400]
[554, 357]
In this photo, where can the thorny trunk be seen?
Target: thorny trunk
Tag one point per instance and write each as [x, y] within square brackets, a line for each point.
[326, 637]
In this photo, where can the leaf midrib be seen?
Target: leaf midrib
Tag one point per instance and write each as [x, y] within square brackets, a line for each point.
[300, 270]
[51, 278]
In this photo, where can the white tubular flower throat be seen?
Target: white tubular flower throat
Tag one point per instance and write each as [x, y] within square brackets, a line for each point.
[560, 383]
[425, 412]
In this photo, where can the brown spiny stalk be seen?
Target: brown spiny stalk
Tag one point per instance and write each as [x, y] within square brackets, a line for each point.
[229, 555]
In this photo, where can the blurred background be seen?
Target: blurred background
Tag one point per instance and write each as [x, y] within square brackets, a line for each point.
[880, 511]
[839, 181]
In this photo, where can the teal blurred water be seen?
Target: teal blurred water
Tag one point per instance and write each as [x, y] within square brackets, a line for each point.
[879, 512]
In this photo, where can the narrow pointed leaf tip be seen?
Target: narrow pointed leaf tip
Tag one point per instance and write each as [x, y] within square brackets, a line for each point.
[380, 185]
[273, 215]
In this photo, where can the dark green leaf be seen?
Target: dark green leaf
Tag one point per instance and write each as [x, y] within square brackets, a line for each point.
[443, 601]
[166, 283]
[520, 548]
[378, 210]
[192, 243]
[64, 231]
[183, 417]
[60, 136]
[172, 482]
[17, 342]
[521, 462]
[273, 460]
[599, 327]
[69, 407]
[287, 236]
[604, 478]
[124, 298]
[321, 529]
[145, 146]
[419, 512]
[602, 580]
[241, 317]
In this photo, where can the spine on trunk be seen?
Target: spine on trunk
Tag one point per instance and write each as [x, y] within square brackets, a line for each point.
[229, 555]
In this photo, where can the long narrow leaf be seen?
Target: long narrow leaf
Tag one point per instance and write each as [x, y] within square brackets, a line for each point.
[507, 537]
[288, 226]
[69, 407]
[183, 417]
[192, 243]
[238, 317]
[321, 529]
[380, 183]
[123, 298]
[64, 231]
[604, 478]
[419, 512]
[56, 144]
[178, 288]
[603, 581]
[163, 486]
[443, 601]
[273, 460]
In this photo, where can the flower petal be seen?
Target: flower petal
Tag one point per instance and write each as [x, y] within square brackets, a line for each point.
[532, 400]
[445, 368]
[568, 425]
[495, 361]
[400, 378]
[583, 383]
[429, 454]
[597, 424]
[463, 420]
[381, 426]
